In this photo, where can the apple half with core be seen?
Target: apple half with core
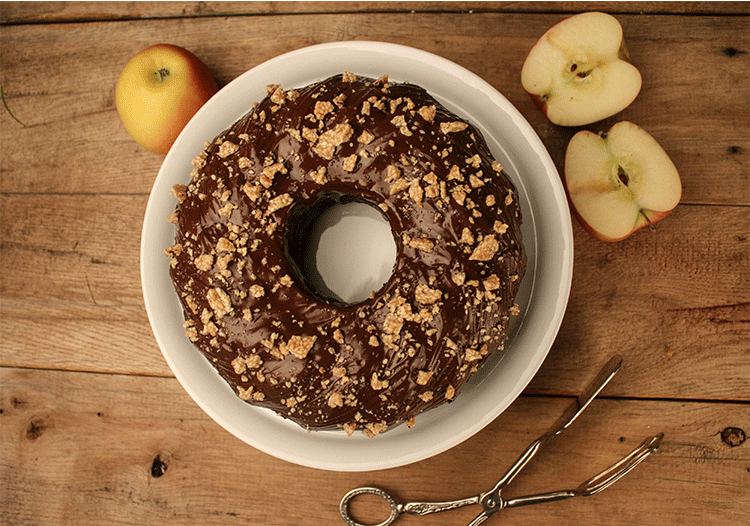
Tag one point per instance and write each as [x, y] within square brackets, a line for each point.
[159, 91]
[579, 71]
[619, 181]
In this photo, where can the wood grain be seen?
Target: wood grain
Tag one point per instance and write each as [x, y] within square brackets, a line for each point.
[95, 429]
[693, 118]
[55, 12]
[679, 314]
[93, 452]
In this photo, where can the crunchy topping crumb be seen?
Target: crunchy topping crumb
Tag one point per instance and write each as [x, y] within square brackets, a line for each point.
[427, 112]
[373, 429]
[269, 172]
[224, 245]
[199, 161]
[424, 376]
[226, 149]
[377, 384]
[204, 262]
[486, 249]
[472, 355]
[252, 191]
[452, 127]
[492, 283]
[180, 192]
[475, 181]
[319, 175]
[245, 394]
[365, 137]
[500, 227]
[335, 399]
[219, 301]
[331, 139]
[279, 202]
[475, 161]
[257, 291]
[322, 108]
[427, 296]
[392, 173]
[459, 278]
[242, 363]
[399, 185]
[416, 192]
[421, 243]
[298, 346]
[350, 163]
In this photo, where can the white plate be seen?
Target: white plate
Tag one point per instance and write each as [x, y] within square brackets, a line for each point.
[543, 297]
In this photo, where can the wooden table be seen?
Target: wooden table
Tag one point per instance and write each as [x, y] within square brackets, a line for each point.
[96, 429]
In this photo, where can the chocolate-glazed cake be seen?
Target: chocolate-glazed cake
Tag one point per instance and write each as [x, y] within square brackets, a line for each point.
[245, 218]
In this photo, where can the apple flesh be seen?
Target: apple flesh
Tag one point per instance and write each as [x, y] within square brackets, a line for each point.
[159, 91]
[579, 70]
[619, 181]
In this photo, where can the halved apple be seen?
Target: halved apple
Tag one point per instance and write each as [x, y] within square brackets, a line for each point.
[579, 70]
[619, 181]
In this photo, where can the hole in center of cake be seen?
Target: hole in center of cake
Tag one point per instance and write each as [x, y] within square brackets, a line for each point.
[341, 247]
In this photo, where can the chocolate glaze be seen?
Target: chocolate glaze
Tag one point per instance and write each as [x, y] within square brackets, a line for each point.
[253, 312]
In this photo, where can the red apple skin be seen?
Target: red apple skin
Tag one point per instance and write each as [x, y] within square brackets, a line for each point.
[539, 102]
[654, 217]
[153, 114]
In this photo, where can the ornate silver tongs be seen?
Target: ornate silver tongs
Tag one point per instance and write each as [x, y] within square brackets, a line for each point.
[492, 500]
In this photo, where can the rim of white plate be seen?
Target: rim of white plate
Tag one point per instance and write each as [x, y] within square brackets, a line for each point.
[543, 298]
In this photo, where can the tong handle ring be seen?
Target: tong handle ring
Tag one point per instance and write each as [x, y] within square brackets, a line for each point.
[396, 508]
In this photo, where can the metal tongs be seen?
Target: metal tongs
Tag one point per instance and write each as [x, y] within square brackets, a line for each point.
[492, 500]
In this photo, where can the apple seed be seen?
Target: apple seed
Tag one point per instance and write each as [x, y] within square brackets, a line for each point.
[622, 175]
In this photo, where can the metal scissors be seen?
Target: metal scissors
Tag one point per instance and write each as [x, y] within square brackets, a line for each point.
[492, 501]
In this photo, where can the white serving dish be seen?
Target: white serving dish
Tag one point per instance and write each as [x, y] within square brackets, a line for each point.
[543, 297]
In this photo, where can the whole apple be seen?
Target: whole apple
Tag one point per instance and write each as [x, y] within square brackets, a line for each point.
[619, 181]
[579, 70]
[159, 91]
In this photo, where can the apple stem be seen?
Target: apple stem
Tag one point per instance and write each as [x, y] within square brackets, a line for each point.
[650, 224]
[162, 74]
[2, 96]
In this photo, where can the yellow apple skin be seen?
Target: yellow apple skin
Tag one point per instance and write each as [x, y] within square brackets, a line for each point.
[159, 91]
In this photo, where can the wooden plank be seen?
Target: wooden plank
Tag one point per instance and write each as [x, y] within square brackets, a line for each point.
[667, 301]
[91, 449]
[55, 12]
[71, 269]
[77, 102]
